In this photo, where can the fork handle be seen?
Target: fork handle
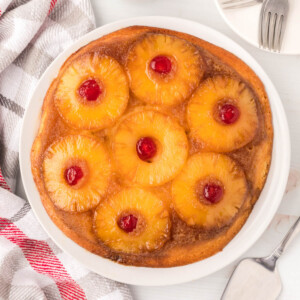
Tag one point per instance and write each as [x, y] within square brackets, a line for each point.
[290, 236]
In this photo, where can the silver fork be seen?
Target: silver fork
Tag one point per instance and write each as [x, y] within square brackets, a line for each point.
[272, 23]
[228, 4]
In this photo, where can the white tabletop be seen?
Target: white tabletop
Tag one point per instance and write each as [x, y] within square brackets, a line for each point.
[284, 72]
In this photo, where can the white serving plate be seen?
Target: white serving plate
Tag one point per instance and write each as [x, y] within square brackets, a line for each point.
[260, 217]
[245, 23]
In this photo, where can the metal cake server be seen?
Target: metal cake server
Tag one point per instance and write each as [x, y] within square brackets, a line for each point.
[258, 278]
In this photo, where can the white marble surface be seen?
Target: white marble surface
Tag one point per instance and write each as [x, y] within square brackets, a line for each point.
[284, 72]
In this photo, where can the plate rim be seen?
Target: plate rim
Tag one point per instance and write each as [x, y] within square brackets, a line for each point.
[143, 275]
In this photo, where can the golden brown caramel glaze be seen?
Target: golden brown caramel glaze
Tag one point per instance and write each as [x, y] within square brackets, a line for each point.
[187, 244]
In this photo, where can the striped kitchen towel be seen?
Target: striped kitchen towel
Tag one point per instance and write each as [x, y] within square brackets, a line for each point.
[32, 34]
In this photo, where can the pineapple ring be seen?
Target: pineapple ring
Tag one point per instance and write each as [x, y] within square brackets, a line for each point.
[92, 157]
[185, 195]
[151, 212]
[202, 120]
[172, 148]
[112, 102]
[164, 89]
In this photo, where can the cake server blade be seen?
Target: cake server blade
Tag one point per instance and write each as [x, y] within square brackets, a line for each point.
[258, 278]
[251, 280]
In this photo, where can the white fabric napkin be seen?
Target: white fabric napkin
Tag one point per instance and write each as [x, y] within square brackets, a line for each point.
[32, 34]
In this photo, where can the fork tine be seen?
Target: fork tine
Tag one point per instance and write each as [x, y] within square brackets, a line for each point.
[278, 34]
[272, 31]
[266, 26]
[261, 25]
[260, 40]
[282, 25]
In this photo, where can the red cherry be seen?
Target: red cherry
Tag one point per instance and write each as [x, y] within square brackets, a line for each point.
[146, 148]
[73, 174]
[213, 193]
[161, 64]
[89, 90]
[128, 223]
[229, 113]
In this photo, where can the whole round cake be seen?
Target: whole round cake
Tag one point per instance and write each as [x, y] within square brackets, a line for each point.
[153, 147]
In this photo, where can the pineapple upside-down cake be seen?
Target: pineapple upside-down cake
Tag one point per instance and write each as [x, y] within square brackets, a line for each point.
[153, 147]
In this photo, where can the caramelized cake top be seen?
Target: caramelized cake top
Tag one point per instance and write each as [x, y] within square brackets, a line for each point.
[153, 147]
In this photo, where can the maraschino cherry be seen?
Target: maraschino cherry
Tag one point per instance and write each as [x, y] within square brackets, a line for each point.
[73, 175]
[128, 223]
[146, 148]
[229, 113]
[213, 192]
[161, 64]
[89, 90]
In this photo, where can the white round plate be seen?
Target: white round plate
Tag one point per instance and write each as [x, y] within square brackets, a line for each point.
[244, 22]
[260, 217]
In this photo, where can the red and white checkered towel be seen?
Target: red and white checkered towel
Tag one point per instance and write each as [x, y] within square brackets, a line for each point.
[32, 34]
